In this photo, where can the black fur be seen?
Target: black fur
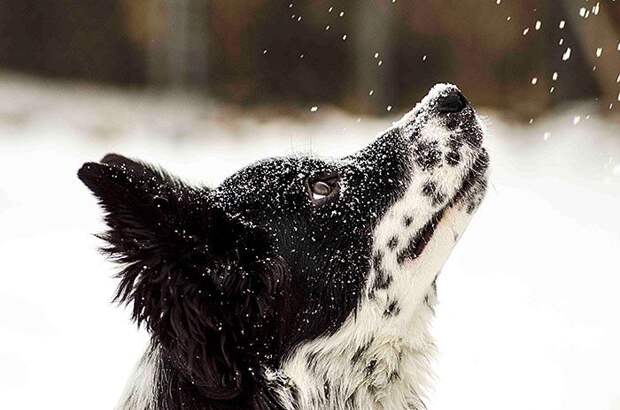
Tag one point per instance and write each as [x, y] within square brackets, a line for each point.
[393, 243]
[360, 351]
[392, 309]
[427, 154]
[453, 158]
[190, 273]
[205, 270]
[431, 190]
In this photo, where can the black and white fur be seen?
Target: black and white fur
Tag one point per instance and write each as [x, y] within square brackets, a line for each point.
[298, 283]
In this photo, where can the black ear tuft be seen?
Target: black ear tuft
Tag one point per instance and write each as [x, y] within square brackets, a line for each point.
[116, 159]
[201, 281]
[155, 221]
[148, 211]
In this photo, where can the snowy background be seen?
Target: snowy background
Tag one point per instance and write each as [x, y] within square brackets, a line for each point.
[529, 314]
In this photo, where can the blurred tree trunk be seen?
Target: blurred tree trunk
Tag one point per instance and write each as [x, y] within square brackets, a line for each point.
[177, 51]
[372, 33]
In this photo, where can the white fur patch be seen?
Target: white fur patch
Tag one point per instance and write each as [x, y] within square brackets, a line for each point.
[141, 388]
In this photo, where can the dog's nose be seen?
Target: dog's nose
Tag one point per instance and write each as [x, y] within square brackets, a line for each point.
[454, 101]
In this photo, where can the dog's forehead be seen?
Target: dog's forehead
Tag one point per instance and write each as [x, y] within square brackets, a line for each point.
[265, 181]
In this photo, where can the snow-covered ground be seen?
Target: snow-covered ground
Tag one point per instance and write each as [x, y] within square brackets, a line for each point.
[529, 315]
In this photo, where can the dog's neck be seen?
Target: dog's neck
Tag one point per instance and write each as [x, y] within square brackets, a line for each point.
[365, 365]
[360, 366]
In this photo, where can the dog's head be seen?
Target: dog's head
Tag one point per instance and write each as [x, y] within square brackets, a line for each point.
[230, 280]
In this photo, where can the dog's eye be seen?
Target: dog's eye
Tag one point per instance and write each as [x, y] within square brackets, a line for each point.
[321, 189]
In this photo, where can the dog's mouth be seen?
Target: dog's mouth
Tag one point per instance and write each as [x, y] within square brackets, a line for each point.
[418, 243]
[474, 179]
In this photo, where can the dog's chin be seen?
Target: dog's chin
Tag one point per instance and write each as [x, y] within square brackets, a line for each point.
[460, 207]
[473, 185]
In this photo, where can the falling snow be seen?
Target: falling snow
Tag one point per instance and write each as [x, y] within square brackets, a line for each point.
[515, 194]
[541, 184]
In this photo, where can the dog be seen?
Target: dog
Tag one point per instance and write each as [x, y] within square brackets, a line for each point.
[298, 283]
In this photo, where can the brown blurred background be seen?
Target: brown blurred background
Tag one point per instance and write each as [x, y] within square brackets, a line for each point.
[205, 87]
[502, 53]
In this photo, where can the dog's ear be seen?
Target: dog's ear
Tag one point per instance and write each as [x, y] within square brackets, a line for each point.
[199, 279]
[151, 215]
